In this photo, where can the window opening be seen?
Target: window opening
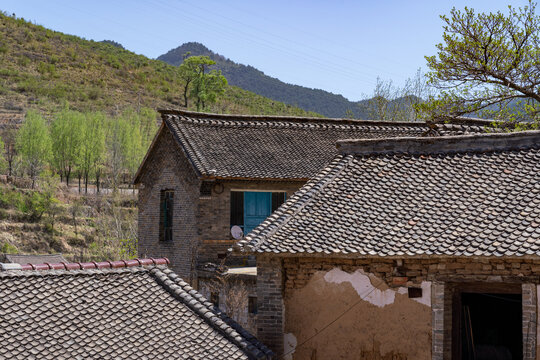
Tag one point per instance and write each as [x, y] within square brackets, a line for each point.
[250, 208]
[252, 304]
[166, 212]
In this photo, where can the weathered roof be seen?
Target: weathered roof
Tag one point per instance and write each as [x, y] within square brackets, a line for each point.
[143, 312]
[24, 259]
[277, 147]
[473, 195]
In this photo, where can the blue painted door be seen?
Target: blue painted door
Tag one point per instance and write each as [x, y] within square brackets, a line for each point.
[257, 207]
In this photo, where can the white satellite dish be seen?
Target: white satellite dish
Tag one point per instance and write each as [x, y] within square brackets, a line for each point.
[237, 232]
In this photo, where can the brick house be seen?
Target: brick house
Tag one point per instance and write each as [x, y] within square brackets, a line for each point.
[205, 173]
[415, 248]
[136, 309]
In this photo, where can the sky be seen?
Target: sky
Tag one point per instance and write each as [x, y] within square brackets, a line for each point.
[340, 46]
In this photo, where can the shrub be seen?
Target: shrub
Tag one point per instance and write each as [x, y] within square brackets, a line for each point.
[7, 248]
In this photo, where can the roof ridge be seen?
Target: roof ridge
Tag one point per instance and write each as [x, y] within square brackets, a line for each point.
[441, 144]
[190, 115]
[284, 213]
[88, 265]
[215, 318]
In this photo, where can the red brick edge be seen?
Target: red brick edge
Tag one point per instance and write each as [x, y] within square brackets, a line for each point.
[97, 265]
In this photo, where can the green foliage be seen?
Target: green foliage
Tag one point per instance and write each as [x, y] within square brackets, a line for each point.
[7, 248]
[488, 65]
[128, 248]
[46, 68]
[3, 162]
[92, 146]
[34, 206]
[67, 136]
[10, 199]
[33, 144]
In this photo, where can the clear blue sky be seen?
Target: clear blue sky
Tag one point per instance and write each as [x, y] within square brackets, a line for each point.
[336, 45]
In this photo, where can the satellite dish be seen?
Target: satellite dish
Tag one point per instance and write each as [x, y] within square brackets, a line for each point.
[237, 232]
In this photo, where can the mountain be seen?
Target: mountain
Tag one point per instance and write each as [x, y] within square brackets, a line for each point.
[249, 78]
[43, 69]
[113, 43]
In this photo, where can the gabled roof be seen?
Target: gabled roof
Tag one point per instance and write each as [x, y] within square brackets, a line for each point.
[472, 195]
[24, 259]
[113, 311]
[277, 147]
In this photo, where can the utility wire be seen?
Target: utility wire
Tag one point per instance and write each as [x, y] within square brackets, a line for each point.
[234, 35]
[333, 321]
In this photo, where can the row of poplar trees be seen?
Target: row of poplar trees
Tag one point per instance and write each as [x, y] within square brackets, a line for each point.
[89, 147]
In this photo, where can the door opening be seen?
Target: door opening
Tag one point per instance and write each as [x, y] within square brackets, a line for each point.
[491, 326]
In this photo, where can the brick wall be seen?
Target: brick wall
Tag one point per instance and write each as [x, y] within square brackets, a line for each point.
[214, 216]
[298, 271]
[270, 319]
[168, 169]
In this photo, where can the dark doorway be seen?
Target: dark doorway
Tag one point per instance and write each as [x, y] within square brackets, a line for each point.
[491, 326]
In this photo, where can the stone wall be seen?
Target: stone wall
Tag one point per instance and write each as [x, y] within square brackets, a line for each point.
[371, 300]
[168, 169]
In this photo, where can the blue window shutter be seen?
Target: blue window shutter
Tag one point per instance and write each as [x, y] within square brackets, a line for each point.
[257, 207]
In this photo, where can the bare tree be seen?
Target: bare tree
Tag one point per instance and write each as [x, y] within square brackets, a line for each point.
[389, 102]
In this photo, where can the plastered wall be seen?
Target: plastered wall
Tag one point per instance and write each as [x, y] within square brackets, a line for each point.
[372, 321]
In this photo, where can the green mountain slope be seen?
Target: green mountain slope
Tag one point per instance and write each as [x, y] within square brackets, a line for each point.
[41, 68]
[249, 78]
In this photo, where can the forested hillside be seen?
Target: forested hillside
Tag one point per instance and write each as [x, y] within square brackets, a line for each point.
[249, 78]
[41, 68]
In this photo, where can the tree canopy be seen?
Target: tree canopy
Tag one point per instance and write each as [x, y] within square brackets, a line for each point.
[206, 84]
[488, 64]
[33, 143]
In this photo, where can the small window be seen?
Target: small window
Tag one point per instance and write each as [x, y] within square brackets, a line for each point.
[166, 215]
[252, 304]
[214, 298]
[206, 189]
[415, 292]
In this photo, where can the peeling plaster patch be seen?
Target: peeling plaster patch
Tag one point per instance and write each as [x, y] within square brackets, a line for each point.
[364, 287]
[362, 284]
[426, 294]
[289, 345]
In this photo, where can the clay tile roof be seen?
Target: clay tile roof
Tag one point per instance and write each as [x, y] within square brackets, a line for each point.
[475, 195]
[277, 147]
[122, 310]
